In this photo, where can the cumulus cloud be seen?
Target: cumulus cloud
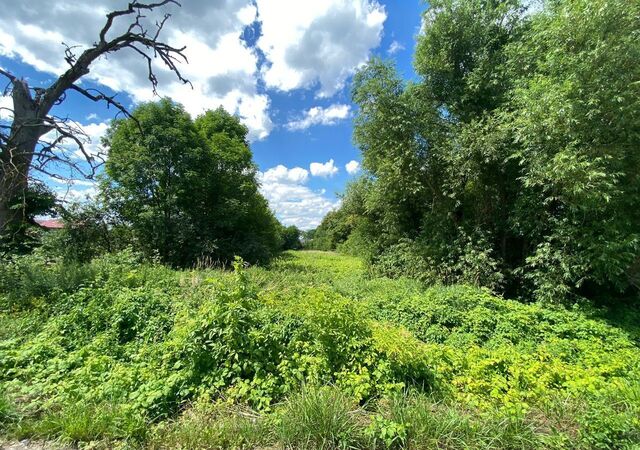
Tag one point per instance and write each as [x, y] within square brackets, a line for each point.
[320, 116]
[324, 170]
[293, 202]
[281, 174]
[395, 47]
[352, 167]
[222, 68]
[317, 41]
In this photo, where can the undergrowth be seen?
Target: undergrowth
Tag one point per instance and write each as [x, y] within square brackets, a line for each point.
[311, 352]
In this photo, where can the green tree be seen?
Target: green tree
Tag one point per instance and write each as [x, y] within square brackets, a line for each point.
[235, 217]
[188, 189]
[511, 163]
[291, 236]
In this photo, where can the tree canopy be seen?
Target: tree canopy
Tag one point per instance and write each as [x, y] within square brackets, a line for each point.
[512, 162]
[188, 188]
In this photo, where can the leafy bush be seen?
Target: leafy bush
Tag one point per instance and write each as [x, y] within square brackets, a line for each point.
[90, 230]
[403, 260]
[142, 343]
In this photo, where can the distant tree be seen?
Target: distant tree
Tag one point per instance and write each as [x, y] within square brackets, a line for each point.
[23, 233]
[23, 147]
[188, 189]
[291, 238]
[332, 231]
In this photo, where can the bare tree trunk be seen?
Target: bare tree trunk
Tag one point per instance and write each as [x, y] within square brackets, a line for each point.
[15, 160]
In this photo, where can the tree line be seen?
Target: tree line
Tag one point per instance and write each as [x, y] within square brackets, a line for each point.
[512, 162]
[180, 190]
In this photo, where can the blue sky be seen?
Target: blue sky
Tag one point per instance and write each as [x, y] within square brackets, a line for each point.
[283, 66]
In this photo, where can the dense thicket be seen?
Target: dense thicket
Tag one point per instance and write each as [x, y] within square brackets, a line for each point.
[188, 189]
[512, 162]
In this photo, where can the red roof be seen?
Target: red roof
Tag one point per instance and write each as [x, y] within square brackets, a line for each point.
[50, 224]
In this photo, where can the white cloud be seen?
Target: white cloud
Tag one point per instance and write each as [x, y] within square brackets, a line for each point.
[395, 47]
[72, 195]
[92, 116]
[311, 43]
[325, 170]
[352, 167]
[222, 69]
[317, 41]
[6, 108]
[280, 174]
[320, 116]
[293, 202]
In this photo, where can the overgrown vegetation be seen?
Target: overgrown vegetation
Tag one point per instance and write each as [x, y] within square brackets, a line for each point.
[484, 294]
[311, 352]
[511, 163]
[188, 188]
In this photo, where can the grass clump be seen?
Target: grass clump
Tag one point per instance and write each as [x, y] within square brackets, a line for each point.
[8, 413]
[212, 427]
[319, 418]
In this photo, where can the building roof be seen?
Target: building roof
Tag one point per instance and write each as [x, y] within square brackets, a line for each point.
[50, 224]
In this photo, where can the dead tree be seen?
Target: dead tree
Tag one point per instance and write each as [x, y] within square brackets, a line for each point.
[22, 148]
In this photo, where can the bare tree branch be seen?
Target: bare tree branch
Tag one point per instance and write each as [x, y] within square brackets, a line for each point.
[100, 96]
[9, 75]
[150, 48]
[21, 146]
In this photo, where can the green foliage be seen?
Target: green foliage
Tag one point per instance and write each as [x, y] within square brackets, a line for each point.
[81, 422]
[329, 233]
[90, 230]
[23, 235]
[345, 229]
[318, 418]
[291, 236]
[29, 280]
[386, 433]
[216, 426]
[188, 189]
[509, 164]
[7, 411]
[311, 352]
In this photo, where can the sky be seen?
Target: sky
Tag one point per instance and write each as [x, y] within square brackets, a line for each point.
[284, 67]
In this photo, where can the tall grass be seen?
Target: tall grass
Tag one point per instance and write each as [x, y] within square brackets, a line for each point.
[319, 418]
